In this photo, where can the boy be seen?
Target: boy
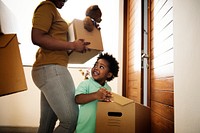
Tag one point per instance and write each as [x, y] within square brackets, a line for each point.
[90, 91]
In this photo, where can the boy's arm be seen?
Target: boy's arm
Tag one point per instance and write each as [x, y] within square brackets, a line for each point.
[101, 94]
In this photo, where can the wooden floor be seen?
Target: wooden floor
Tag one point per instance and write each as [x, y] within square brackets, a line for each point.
[18, 129]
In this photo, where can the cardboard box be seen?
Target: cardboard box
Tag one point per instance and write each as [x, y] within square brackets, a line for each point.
[12, 78]
[77, 31]
[122, 116]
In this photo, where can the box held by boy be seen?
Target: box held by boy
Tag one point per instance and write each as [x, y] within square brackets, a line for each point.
[122, 115]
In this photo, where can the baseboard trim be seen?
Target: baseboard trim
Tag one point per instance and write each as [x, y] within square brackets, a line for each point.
[11, 129]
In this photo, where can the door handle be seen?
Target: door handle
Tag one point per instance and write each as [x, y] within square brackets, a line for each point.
[145, 63]
[144, 55]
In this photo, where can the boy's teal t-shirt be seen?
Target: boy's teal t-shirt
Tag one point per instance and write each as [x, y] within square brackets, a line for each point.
[87, 112]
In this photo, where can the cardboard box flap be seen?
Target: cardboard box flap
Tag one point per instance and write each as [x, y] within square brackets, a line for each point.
[6, 39]
[120, 100]
[88, 36]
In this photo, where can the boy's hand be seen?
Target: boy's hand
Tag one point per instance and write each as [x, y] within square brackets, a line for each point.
[104, 95]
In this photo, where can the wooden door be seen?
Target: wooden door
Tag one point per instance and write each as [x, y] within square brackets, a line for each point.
[162, 66]
[132, 71]
[161, 72]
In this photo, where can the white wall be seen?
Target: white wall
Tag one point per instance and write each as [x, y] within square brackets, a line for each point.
[187, 66]
[22, 109]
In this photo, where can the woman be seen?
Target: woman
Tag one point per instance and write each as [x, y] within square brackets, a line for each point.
[50, 73]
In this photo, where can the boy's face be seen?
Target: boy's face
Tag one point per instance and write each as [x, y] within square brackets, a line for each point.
[100, 71]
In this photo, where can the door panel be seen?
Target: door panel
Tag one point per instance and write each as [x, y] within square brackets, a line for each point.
[161, 61]
[133, 55]
[162, 66]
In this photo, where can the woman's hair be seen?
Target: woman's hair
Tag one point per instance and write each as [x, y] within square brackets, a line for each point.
[112, 64]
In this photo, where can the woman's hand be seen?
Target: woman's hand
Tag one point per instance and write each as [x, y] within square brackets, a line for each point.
[81, 46]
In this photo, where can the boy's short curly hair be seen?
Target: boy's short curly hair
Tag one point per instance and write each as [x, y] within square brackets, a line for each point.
[113, 64]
